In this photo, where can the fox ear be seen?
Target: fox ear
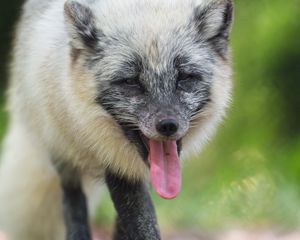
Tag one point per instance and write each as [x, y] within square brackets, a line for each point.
[80, 23]
[213, 22]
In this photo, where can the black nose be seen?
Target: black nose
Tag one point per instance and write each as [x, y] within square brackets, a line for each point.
[167, 127]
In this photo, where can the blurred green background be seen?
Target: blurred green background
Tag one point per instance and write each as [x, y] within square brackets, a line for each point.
[249, 175]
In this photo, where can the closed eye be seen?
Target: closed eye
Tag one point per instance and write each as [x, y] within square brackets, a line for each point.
[186, 80]
[183, 76]
[131, 83]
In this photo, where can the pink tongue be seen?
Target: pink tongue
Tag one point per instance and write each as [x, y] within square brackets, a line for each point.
[165, 168]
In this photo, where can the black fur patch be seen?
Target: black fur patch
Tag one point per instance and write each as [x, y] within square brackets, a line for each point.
[219, 41]
[136, 214]
[227, 20]
[201, 105]
[200, 18]
[109, 98]
[84, 23]
[132, 134]
[74, 202]
[76, 213]
[183, 65]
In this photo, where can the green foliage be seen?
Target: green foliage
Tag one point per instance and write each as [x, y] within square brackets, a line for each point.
[3, 121]
[250, 174]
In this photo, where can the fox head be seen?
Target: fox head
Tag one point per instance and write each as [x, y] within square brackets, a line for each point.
[162, 71]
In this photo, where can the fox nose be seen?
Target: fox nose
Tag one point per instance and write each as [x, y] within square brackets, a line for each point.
[167, 127]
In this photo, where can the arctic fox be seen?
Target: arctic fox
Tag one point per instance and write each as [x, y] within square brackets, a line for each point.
[117, 90]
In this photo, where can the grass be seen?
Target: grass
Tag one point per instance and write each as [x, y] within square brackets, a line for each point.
[3, 120]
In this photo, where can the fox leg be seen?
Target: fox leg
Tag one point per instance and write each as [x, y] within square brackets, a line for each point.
[75, 205]
[136, 214]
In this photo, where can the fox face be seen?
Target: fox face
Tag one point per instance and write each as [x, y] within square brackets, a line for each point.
[158, 69]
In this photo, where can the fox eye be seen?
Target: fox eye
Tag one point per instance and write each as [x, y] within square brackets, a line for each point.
[131, 81]
[186, 81]
[182, 76]
[130, 84]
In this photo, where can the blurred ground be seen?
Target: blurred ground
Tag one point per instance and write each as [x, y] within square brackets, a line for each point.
[229, 235]
[2, 236]
[194, 235]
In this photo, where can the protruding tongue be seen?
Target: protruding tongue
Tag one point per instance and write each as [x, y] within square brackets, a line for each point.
[165, 168]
